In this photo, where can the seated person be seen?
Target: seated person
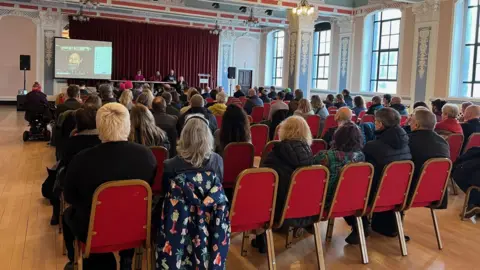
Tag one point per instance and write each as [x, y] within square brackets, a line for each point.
[35, 102]
[343, 116]
[359, 103]
[144, 130]
[449, 124]
[472, 122]
[465, 105]
[292, 152]
[263, 95]
[197, 107]
[206, 92]
[114, 159]
[278, 105]
[396, 104]
[166, 122]
[73, 100]
[176, 102]
[238, 92]
[213, 95]
[466, 173]
[319, 107]
[288, 94]
[437, 106]
[387, 99]
[170, 109]
[304, 109]
[146, 99]
[126, 99]
[347, 98]
[190, 93]
[84, 91]
[329, 101]
[106, 93]
[252, 101]
[219, 107]
[235, 128]
[293, 105]
[340, 102]
[376, 105]
[272, 94]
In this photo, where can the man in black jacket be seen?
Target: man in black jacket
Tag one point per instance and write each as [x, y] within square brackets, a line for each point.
[170, 109]
[166, 122]
[72, 103]
[238, 92]
[472, 122]
[115, 159]
[197, 106]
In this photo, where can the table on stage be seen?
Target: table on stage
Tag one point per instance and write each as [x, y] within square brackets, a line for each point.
[152, 83]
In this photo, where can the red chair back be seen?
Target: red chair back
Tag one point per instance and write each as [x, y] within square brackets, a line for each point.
[368, 118]
[248, 214]
[238, 104]
[307, 192]
[243, 101]
[209, 100]
[242, 98]
[369, 104]
[432, 182]
[473, 141]
[259, 137]
[236, 158]
[354, 118]
[318, 145]
[112, 230]
[403, 120]
[313, 122]
[455, 142]
[332, 110]
[329, 123]
[232, 100]
[161, 154]
[352, 191]
[392, 192]
[257, 114]
[219, 121]
[268, 148]
[266, 110]
[361, 114]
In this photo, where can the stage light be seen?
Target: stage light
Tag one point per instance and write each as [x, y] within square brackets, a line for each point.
[216, 5]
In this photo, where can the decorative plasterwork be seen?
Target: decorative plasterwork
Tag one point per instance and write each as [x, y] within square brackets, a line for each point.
[376, 5]
[306, 36]
[427, 11]
[49, 18]
[49, 34]
[423, 42]
[345, 43]
[32, 15]
[293, 51]
[344, 23]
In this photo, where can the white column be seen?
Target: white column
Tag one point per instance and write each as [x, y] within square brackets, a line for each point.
[345, 43]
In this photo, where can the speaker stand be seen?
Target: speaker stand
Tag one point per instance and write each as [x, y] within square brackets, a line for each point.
[230, 90]
[24, 79]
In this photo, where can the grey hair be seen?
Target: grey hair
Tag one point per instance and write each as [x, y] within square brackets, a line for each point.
[425, 119]
[113, 122]
[196, 140]
[146, 99]
[388, 117]
[221, 97]
[451, 110]
[105, 90]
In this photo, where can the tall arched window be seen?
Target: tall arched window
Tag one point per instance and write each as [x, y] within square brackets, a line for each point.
[384, 65]
[321, 55]
[278, 43]
[471, 60]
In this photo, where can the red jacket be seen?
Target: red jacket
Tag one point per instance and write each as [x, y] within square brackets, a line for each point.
[451, 125]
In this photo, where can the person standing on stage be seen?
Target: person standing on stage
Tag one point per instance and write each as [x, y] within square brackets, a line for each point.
[139, 76]
[181, 84]
[171, 77]
[157, 77]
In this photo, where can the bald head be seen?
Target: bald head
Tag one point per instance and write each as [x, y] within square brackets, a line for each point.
[396, 100]
[159, 104]
[196, 101]
[472, 112]
[344, 114]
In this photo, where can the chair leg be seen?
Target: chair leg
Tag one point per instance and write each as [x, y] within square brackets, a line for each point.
[437, 230]
[149, 257]
[331, 223]
[318, 246]
[138, 258]
[363, 242]
[289, 240]
[246, 237]
[401, 234]
[77, 255]
[271, 250]
[454, 186]
[465, 204]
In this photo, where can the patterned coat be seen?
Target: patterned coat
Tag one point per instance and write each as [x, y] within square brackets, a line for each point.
[194, 230]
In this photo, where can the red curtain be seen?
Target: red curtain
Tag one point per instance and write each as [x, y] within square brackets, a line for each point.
[151, 47]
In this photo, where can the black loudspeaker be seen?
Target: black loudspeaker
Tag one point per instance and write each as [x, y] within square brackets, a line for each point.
[24, 62]
[231, 72]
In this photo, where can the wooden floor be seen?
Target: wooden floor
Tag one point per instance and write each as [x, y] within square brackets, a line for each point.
[27, 241]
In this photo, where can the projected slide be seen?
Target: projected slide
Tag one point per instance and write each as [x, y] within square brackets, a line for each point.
[83, 59]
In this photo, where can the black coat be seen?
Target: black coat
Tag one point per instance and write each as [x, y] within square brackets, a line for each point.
[69, 104]
[285, 158]
[172, 110]
[238, 94]
[168, 123]
[469, 128]
[76, 144]
[374, 108]
[212, 121]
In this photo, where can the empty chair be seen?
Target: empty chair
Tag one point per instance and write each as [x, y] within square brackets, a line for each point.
[219, 121]
[329, 123]
[259, 137]
[313, 122]
[257, 114]
[368, 118]
[473, 141]
[266, 110]
[111, 230]
[430, 189]
[268, 148]
[332, 110]
[161, 154]
[248, 214]
[455, 142]
[236, 158]
[318, 145]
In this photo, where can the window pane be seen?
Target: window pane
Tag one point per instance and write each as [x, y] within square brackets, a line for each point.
[477, 73]
[376, 36]
[387, 87]
[472, 2]
[321, 61]
[394, 42]
[392, 58]
[382, 75]
[385, 28]
[468, 74]
[395, 28]
[325, 74]
[327, 61]
[391, 14]
[279, 63]
[471, 26]
[322, 84]
[392, 72]
[385, 42]
[384, 58]
[327, 47]
[279, 73]
[322, 48]
[374, 66]
[329, 32]
[476, 90]
[321, 72]
[322, 36]
[373, 86]
[466, 89]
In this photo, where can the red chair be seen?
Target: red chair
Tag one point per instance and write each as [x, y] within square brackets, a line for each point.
[354, 118]
[219, 121]
[306, 198]
[329, 123]
[236, 158]
[403, 120]
[247, 214]
[161, 154]
[243, 100]
[318, 145]
[368, 118]
[369, 104]
[266, 110]
[431, 187]
[392, 194]
[286, 101]
[351, 199]
[209, 100]
[111, 230]
[257, 114]
[268, 148]
[473, 141]
[313, 122]
[361, 114]
[238, 104]
[232, 100]
[332, 110]
[455, 143]
[259, 137]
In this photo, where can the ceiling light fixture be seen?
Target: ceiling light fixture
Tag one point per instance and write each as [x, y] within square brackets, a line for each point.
[216, 30]
[216, 5]
[90, 3]
[251, 21]
[80, 16]
[303, 8]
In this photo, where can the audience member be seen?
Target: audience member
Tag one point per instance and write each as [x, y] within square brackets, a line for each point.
[126, 99]
[206, 92]
[318, 107]
[466, 173]
[437, 106]
[166, 122]
[293, 105]
[181, 84]
[235, 128]
[347, 98]
[238, 92]
[465, 105]
[472, 122]
[220, 89]
[128, 85]
[186, 106]
[304, 109]
[329, 101]
[396, 103]
[449, 123]
[213, 96]
[339, 101]
[218, 109]
[197, 107]
[35, 102]
[72, 103]
[359, 103]
[93, 167]
[144, 129]
[253, 101]
[419, 103]
[176, 103]
[146, 99]
[387, 99]
[376, 105]
[264, 96]
[106, 93]
[83, 89]
[278, 105]
[343, 116]
[288, 94]
[170, 109]
[272, 94]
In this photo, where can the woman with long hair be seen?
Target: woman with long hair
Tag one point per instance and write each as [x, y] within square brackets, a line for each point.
[235, 128]
[304, 109]
[359, 105]
[126, 99]
[318, 107]
[146, 99]
[143, 129]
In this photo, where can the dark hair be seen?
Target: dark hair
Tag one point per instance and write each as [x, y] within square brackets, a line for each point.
[298, 94]
[213, 94]
[272, 88]
[235, 127]
[175, 97]
[345, 92]
[359, 102]
[81, 83]
[86, 118]
[376, 100]
[437, 105]
[388, 117]
[348, 138]
[260, 89]
[159, 104]
[281, 95]
[388, 97]
[167, 97]
[330, 97]
[420, 103]
[73, 91]
[339, 97]
[93, 101]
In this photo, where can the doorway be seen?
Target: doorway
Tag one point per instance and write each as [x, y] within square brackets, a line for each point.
[245, 79]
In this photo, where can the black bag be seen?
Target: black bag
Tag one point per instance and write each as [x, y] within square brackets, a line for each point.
[47, 186]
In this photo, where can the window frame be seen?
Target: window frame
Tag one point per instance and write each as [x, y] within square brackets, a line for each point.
[476, 46]
[276, 58]
[319, 28]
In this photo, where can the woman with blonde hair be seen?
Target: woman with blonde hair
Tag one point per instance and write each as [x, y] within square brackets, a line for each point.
[292, 152]
[219, 108]
[319, 107]
[146, 99]
[126, 99]
[304, 109]
[143, 129]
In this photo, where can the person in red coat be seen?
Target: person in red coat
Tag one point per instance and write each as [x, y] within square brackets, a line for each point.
[449, 124]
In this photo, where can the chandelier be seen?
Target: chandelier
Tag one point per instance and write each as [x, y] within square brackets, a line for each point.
[251, 21]
[216, 30]
[80, 16]
[90, 3]
[303, 8]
